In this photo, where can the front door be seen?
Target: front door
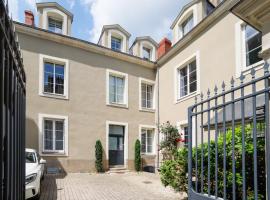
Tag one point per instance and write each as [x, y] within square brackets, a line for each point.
[116, 145]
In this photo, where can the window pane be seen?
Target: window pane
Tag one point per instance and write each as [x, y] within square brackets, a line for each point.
[115, 44]
[59, 89]
[187, 25]
[183, 81]
[192, 77]
[48, 135]
[186, 136]
[48, 78]
[59, 125]
[112, 89]
[48, 87]
[59, 69]
[55, 25]
[143, 141]
[146, 53]
[253, 45]
[48, 67]
[149, 141]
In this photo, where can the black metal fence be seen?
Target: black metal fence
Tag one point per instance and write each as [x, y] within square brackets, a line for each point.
[12, 111]
[229, 141]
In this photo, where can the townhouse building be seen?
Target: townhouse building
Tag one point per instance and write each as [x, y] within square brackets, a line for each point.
[79, 92]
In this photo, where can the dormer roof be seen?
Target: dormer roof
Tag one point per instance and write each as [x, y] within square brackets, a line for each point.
[182, 12]
[147, 38]
[117, 27]
[54, 5]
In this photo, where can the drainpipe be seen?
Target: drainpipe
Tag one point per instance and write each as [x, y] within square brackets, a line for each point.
[158, 118]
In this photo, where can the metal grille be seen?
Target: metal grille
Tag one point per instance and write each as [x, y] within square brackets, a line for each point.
[229, 140]
[12, 110]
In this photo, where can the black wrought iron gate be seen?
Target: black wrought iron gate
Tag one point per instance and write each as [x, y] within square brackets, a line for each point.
[229, 141]
[12, 112]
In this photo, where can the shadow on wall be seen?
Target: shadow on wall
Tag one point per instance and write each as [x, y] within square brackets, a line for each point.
[31, 138]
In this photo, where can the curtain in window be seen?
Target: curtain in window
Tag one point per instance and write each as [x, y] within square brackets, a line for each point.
[116, 93]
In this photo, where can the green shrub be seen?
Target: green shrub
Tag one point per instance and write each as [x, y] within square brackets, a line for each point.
[138, 160]
[174, 172]
[99, 156]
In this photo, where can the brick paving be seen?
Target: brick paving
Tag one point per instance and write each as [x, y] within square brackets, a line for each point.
[129, 186]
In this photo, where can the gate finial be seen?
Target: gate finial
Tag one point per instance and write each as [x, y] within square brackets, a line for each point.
[223, 86]
[242, 77]
[232, 82]
[215, 89]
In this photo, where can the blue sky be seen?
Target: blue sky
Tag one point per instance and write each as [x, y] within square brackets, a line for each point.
[139, 17]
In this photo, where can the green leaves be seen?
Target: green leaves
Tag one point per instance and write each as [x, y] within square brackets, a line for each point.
[99, 156]
[138, 160]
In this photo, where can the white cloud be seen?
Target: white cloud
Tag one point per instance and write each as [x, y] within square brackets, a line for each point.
[139, 17]
[13, 9]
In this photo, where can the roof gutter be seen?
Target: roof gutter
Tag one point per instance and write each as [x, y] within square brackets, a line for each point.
[81, 44]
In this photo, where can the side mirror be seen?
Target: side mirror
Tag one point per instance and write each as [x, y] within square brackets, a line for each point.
[42, 161]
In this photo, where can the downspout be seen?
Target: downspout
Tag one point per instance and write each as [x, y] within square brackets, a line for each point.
[158, 119]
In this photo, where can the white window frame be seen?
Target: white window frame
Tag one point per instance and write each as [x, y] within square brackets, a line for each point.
[119, 35]
[148, 82]
[42, 151]
[125, 95]
[55, 60]
[240, 49]
[180, 126]
[151, 47]
[51, 12]
[177, 98]
[149, 127]
[108, 123]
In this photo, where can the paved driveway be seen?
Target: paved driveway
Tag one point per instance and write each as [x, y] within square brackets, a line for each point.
[130, 186]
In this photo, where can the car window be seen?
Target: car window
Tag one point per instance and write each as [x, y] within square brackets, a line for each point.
[30, 157]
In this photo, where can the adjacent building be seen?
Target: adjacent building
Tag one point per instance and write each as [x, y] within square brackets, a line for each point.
[79, 92]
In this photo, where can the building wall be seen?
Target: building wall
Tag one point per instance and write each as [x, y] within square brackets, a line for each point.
[86, 107]
[217, 57]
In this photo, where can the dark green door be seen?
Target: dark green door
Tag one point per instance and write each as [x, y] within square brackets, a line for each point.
[116, 145]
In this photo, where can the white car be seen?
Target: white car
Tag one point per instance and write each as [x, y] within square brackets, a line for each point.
[34, 172]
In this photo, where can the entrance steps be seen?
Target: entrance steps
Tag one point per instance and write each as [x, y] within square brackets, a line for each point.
[118, 170]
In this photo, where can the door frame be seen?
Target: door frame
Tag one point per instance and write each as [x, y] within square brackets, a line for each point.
[108, 123]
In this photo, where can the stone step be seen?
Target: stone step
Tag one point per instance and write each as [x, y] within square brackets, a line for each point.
[118, 170]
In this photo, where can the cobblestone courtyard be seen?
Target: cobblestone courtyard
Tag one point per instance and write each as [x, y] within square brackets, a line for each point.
[130, 186]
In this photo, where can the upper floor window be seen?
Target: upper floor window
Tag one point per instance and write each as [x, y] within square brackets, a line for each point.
[55, 25]
[54, 78]
[147, 95]
[187, 79]
[187, 25]
[116, 44]
[117, 91]
[147, 141]
[253, 45]
[146, 53]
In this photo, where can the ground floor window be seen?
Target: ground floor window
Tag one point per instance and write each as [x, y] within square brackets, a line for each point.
[147, 140]
[53, 135]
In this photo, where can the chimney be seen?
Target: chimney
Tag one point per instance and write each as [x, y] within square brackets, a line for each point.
[29, 18]
[163, 47]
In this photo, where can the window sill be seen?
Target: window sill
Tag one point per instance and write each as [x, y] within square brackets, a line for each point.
[151, 110]
[52, 154]
[148, 154]
[54, 96]
[184, 98]
[257, 66]
[118, 105]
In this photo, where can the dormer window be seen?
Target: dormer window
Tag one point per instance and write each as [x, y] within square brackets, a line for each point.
[146, 53]
[187, 25]
[54, 25]
[116, 44]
